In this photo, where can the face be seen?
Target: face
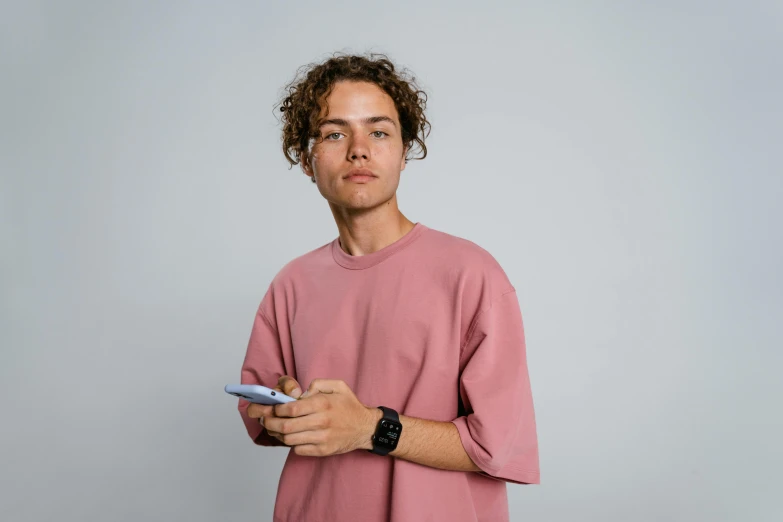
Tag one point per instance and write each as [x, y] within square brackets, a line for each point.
[361, 130]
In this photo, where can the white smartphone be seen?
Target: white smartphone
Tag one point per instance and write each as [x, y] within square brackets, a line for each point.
[258, 394]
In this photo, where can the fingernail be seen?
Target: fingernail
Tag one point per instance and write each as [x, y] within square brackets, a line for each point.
[261, 420]
[303, 395]
[296, 393]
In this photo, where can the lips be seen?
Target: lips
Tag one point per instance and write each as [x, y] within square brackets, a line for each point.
[359, 174]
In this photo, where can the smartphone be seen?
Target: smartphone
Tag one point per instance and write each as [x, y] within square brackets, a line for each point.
[258, 394]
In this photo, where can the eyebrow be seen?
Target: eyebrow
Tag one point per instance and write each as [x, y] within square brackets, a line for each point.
[367, 121]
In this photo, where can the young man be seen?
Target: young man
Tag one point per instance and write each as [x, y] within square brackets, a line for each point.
[391, 314]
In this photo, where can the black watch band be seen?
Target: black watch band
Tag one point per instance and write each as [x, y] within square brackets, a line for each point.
[387, 432]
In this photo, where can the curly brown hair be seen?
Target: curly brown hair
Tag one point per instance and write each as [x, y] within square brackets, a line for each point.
[307, 92]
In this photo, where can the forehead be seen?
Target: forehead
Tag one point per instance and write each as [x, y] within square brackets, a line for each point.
[356, 100]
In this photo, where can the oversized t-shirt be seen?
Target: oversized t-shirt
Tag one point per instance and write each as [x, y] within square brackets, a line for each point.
[430, 326]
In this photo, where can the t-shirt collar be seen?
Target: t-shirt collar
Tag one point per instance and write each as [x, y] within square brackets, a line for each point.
[367, 260]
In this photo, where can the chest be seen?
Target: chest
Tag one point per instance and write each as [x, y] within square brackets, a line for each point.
[383, 335]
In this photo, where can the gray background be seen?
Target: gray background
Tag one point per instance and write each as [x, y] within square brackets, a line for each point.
[621, 162]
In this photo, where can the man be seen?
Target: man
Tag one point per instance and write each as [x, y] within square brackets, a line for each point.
[391, 314]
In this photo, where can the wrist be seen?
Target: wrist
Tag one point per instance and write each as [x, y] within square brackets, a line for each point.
[374, 415]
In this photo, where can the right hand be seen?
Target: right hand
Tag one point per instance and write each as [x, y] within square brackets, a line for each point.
[286, 385]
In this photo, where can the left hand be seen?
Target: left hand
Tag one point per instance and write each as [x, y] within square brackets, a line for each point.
[327, 420]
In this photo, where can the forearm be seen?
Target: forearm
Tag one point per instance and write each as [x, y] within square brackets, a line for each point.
[427, 442]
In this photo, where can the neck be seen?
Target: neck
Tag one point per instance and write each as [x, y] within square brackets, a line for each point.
[365, 235]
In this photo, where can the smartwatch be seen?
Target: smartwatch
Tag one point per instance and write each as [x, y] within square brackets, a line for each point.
[387, 433]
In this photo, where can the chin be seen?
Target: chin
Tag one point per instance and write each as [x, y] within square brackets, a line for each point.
[361, 202]
[352, 205]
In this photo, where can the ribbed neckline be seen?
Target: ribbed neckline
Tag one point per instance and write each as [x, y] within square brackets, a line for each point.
[366, 261]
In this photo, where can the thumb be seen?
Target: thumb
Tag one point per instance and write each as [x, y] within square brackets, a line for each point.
[322, 386]
[312, 390]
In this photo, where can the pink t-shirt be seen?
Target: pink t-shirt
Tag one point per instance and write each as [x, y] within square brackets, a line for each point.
[429, 326]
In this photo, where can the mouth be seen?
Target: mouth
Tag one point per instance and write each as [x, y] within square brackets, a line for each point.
[360, 176]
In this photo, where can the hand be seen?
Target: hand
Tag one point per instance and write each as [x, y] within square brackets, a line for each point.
[328, 419]
[286, 385]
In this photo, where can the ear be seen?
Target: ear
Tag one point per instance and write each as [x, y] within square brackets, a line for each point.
[402, 161]
[304, 162]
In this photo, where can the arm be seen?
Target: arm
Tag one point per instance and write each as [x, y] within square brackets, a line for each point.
[427, 442]
[329, 419]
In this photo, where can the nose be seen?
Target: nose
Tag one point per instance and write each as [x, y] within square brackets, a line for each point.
[358, 148]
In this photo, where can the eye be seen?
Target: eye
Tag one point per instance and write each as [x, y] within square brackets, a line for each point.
[332, 134]
[381, 133]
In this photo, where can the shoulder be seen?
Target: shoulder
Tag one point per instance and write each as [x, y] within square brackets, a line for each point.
[292, 271]
[477, 269]
[465, 249]
[284, 282]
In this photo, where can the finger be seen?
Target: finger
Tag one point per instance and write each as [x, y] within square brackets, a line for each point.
[289, 386]
[278, 436]
[304, 406]
[296, 424]
[325, 386]
[255, 410]
[277, 388]
[274, 434]
[263, 421]
[303, 437]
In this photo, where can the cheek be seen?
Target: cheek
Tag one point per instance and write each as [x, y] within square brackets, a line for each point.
[326, 155]
[394, 149]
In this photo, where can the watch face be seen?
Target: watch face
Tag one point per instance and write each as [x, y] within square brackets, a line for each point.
[388, 433]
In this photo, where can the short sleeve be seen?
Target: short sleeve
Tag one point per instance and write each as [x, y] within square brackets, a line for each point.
[263, 365]
[498, 428]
